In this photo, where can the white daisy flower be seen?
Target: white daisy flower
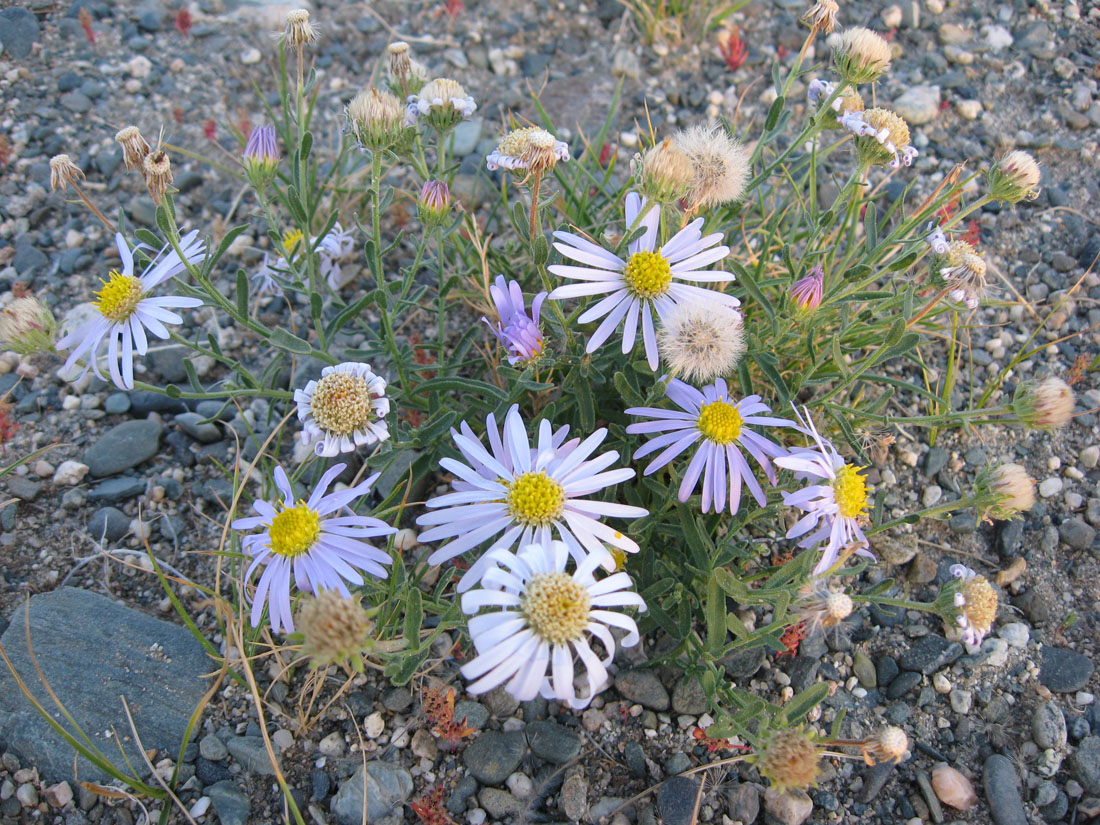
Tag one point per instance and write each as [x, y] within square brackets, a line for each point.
[345, 409]
[127, 309]
[544, 616]
[652, 279]
[722, 424]
[305, 539]
[528, 495]
[443, 104]
[527, 148]
[834, 504]
[976, 603]
[331, 248]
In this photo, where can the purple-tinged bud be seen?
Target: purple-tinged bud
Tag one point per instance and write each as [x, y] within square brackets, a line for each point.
[807, 292]
[261, 156]
[435, 203]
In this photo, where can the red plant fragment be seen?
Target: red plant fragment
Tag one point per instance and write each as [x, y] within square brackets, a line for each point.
[973, 232]
[5, 150]
[85, 20]
[209, 127]
[429, 807]
[452, 8]
[734, 50]
[8, 426]
[177, 114]
[792, 637]
[183, 22]
[605, 154]
[948, 209]
[438, 702]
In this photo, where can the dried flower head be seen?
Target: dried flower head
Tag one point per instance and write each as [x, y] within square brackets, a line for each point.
[889, 745]
[1014, 178]
[821, 16]
[789, 759]
[881, 137]
[134, 146]
[400, 63]
[719, 165]
[1005, 491]
[975, 603]
[63, 172]
[663, 172]
[157, 168]
[443, 104]
[529, 148]
[860, 55]
[809, 290]
[701, 341]
[963, 271]
[336, 629]
[1045, 405]
[27, 327]
[821, 607]
[377, 119]
[297, 30]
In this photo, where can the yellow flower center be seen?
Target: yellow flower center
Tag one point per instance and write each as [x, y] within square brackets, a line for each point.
[341, 403]
[119, 296]
[980, 605]
[720, 422]
[647, 275]
[295, 530]
[535, 499]
[291, 239]
[556, 607]
[850, 491]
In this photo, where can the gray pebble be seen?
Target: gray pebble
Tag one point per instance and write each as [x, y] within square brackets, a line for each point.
[212, 748]
[1062, 670]
[494, 756]
[553, 742]
[643, 687]
[688, 697]
[676, 800]
[1076, 534]
[1002, 791]
[123, 446]
[386, 787]
[1048, 726]
[251, 752]
[1086, 764]
[108, 523]
[198, 428]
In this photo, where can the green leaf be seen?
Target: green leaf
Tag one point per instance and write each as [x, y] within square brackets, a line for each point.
[307, 145]
[737, 627]
[870, 226]
[226, 242]
[716, 617]
[437, 426]
[907, 342]
[904, 262]
[315, 307]
[774, 112]
[630, 396]
[804, 702]
[480, 389]
[753, 288]
[838, 358]
[288, 341]
[172, 391]
[242, 293]
[878, 589]
[767, 364]
[400, 671]
[540, 251]
[897, 329]
[414, 617]
[192, 376]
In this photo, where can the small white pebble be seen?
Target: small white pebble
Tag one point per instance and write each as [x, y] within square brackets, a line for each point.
[1050, 487]
[70, 402]
[932, 494]
[405, 539]
[251, 56]
[1089, 457]
[43, 468]
[1084, 698]
[1054, 463]
[1074, 473]
[941, 683]
[520, 785]
[373, 725]
[476, 816]
[200, 807]
[628, 140]
[1015, 633]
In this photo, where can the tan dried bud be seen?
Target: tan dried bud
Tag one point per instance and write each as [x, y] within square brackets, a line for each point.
[821, 16]
[1046, 405]
[1014, 178]
[297, 30]
[664, 172]
[157, 169]
[789, 759]
[63, 172]
[336, 629]
[134, 146]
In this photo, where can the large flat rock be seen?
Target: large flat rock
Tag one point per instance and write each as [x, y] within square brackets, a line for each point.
[93, 651]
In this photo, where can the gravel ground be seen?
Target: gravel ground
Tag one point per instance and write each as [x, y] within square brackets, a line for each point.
[1019, 719]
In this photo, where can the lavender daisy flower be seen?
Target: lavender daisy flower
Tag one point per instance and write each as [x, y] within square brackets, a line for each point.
[517, 331]
[331, 248]
[527, 495]
[834, 503]
[808, 291]
[304, 539]
[651, 280]
[722, 424]
[127, 309]
[544, 617]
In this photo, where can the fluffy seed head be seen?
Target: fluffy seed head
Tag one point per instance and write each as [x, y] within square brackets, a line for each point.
[297, 30]
[822, 608]
[27, 327]
[701, 341]
[789, 759]
[336, 629]
[664, 173]
[719, 165]
[860, 55]
[1045, 405]
[157, 168]
[134, 146]
[1008, 489]
[63, 172]
[1015, 177]
[890, 744]
[376, 119]
[821, 16]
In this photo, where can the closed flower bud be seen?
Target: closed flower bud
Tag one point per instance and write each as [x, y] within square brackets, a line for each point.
[808, 291]
[27, 327]
[1045, 405]
[860, 55]
[663, 172]
[442, 104]
[336, 630]
[261, 156]
[890, 744]
[434, 204]
[1014, 178]
[1004, 491]
[789, 759]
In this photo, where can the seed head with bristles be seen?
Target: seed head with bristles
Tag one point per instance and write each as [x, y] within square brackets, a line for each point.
[822, 608]
[719, 164]
[789, 759]
[376, 119]
[963, 271]
[663, 172]
[821, 16]
[63, 172]
[701, 341]
[27, 327]
[336, 629]
[1045, 405]
[860, 55]
[890, 744]
[157, 169]
[297, 30]
[134, 146]
[1004, 491]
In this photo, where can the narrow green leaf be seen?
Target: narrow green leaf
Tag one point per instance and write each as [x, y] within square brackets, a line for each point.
[838, 358]
[540, 251]
[804, 702]
[774, 112]
[242, 293]
[897, 329]
[753, 288]
[288, 341]
[307, 145]
[870, 226]
[737, 627]
[716, 617]
[414, 617]
[766, 362]
[172, 391]
[192, 376]
[479, 389]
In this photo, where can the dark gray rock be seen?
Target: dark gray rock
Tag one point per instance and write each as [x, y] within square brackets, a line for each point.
[494, 756]
[475, 713]
[386, 786]
[117, 489]
[1076, 534]
[466, 787]
[143, 402]
[1062, 670]
[20, 31]
[169, 363]
[688, 697]
[400, 699]
[643, 687]
[930, 653]
[803, 671]
[123, 446]
[1086, 764]
[886, 670]
[213, 748]
[635, 760]
[252, 754]
[156, 665]
[935, 461]
[1048, 726]
[108, 523]
[553, 742]
[1002, 791]
[902, 684]
[229, 802]
[1010, 537]
[321, 785]
[210, 773]
[199, 428]
[676, 800]
[29, 259]
[76, 102]
[743, 664]
[744, 803]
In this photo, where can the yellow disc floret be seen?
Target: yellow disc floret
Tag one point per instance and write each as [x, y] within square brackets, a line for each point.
[850, 491]
[647, 275]
[291, 239]
[119, 296]
[295, 530]
[720, 422]
[980, 603]
[535, 499]
[556, 607]
[341, 403]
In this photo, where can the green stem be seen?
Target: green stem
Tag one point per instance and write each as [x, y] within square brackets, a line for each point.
[379, 275]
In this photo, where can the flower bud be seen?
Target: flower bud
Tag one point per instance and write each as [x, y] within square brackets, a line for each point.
[27, 327]
[860, 55]
[789, 759]
[261, 156]
[1004, 491]
[442, 104]
[808, 291]
[1045, 405]
[1014, 178]
[434, 204]
[664, 173]
[336, 629]
[376, 119]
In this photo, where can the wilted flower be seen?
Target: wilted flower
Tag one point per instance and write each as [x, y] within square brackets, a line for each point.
[518, 332]
[335, 629]
[821, 607]
[937, 240]
[1004, 491]
[345, 409]
[890, 744]
[297, 30]
[809, 290]
[663, 172]
[134, 146]
[719, 165]
[976, 604]
[963, 271]
[443, 104]
[701, 340]
[27, 327]
[261, 156]
[1014, 178]
[789, 759]
[821, 16]
[157, 168]
[407, 75]
[881, 137]
[336, 244]
[1044, 405]
[544, 617]
[860, 55]
[530, 148]
[846, 102]
[63, 172]
[434, 204]
[377, 119]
